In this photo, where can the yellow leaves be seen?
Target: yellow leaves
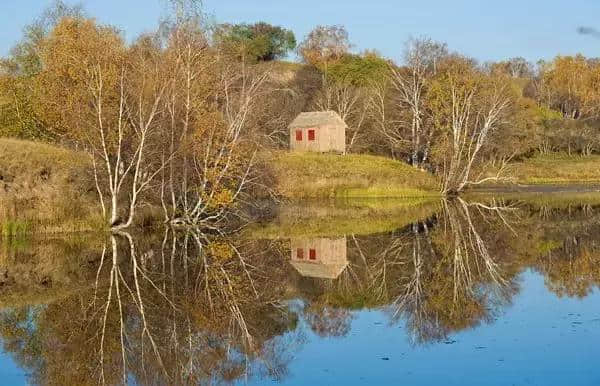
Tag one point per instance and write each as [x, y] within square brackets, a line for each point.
[572, 84]
[220, 198]
[221, 252]
[79, 57]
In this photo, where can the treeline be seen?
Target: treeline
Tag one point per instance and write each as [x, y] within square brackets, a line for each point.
[176, 116]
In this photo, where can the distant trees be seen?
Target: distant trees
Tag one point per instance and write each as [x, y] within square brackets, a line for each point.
[258, 42]
[348, 88]
[325, 44]
[176, 116]
[570, 84]
[19, 115]
[517, 67]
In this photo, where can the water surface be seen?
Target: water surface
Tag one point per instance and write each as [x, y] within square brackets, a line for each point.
[486, 290]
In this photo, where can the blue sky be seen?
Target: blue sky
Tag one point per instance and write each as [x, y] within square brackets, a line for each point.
[485, 30]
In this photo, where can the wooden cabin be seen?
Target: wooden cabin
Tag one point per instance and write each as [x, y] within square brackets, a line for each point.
[318, 131]
[322, 258]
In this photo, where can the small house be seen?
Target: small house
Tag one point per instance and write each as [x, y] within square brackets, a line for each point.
[320, 258]
[318, 131]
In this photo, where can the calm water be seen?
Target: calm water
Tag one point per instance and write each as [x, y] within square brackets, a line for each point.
[485, 291]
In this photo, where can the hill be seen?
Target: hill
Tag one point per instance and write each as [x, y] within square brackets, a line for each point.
[314, 175]
[45, 188]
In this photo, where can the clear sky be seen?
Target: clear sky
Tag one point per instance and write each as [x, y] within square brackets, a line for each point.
[485, 30]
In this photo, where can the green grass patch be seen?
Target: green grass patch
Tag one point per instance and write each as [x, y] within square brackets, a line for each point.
[315, 175]
[547, 246]
[557, 168]
[14, 228]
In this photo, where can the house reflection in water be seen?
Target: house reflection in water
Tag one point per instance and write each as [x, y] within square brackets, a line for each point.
[322, 258]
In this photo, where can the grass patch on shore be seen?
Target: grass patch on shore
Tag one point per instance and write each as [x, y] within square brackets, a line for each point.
[557, 168]
[315, 175]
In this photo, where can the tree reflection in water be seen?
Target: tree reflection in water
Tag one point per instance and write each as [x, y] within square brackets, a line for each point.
[191, 308]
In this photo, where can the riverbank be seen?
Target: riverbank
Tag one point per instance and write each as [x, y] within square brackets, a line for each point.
[557, 168]
[50, 189]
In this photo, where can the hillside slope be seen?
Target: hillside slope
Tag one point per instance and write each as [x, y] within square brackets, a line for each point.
[45, 188]
[312, 175]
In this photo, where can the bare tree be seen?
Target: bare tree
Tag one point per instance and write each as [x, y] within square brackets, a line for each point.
[352, 103]
[222, 158]
[123, 147]
[469, 107]
[409, 84]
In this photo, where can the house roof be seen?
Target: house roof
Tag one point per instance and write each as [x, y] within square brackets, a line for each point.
[317, 118]
[319, 270]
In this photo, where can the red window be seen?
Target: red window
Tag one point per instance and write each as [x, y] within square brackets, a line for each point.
[311, 134]
[300, 253]
[298, 135]
[312, 254]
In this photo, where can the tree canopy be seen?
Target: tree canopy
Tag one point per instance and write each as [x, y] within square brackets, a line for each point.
[260, 41]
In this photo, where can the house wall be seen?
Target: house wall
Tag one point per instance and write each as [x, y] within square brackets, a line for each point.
[327, 138]
[305, 144]
[336, 140]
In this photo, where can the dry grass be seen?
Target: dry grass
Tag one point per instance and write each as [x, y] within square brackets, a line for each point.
[312, 175]
[45, 188]
[557, 169]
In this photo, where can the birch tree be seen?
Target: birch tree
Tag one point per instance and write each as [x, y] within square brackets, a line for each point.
[106, 97]
[352, 103]
[468, 107]
[406, 121]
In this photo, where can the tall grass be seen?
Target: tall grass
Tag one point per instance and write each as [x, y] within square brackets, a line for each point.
[47, 189]
[14, 228]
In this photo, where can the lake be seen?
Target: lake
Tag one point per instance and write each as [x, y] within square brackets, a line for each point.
[481, 290]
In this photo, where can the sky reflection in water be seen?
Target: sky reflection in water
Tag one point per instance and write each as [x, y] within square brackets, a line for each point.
[477, 292]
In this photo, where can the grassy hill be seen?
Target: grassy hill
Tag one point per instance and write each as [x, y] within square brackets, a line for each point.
[312, 175]
[45, 188]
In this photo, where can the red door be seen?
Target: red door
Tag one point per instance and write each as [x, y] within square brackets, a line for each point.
[312, 254]
[311, 134]
[298, 135]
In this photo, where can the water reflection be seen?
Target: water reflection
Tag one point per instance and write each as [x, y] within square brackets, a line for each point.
[189, 308]
[322, 258]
